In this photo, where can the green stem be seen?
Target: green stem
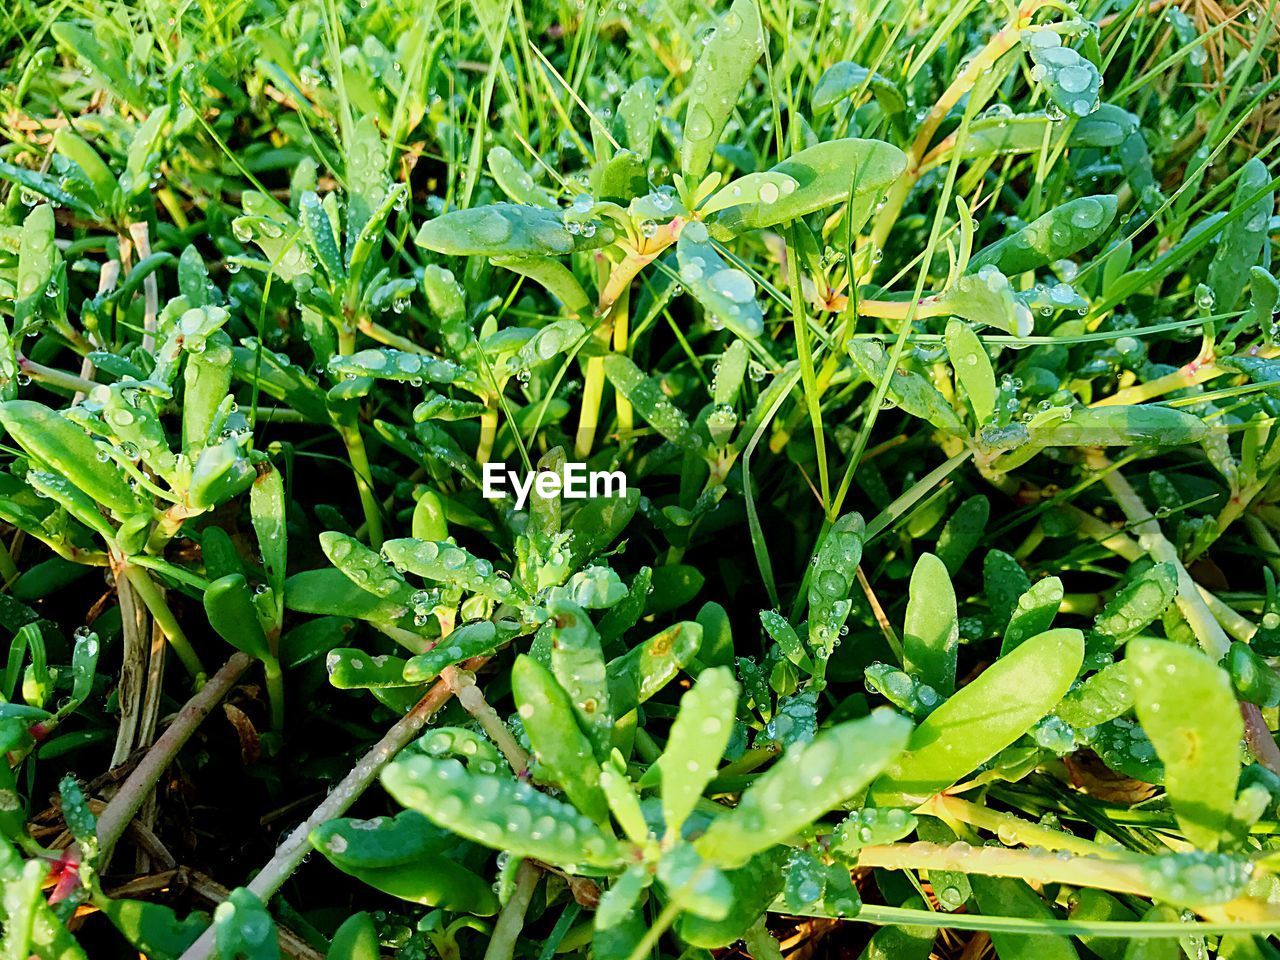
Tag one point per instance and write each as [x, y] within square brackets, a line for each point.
[651, 936]
[506, 932]
[354, 442]
[1013, 829]
[141, 581]
[589, 417]
[275, 692]
[488, 431]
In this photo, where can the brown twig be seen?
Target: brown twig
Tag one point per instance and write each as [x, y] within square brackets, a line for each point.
[295, 846]
[135, 790]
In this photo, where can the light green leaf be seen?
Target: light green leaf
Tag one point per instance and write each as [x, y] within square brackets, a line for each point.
[1198, 747]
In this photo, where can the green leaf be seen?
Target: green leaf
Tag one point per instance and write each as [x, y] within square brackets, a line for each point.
[723, 69]
[983, 717]
[641, 672]
[1200, 775]
[831, 582]
[804, 784]
[696, 743]
[499, 812]
[407, 857]
[648, 399]
[1119, 425]
[322, 236]
[562, 750]
[356, 939]
[1008, 897]
[1062, 231]
[38, 259]
[987, 297]
[851, 172]
[1136, 604]
[1102, 697]
[467, 641]
[963, 531]
[67, 450]
[557, 279]
[366, 157]
[105, 188]
[232, 613]
[973, 369]
[726, 293]
[153, 928]
[498, 230]
[754, 887]
[844, 78]
[353, 669]
[907, 389]
[1242, 243]
[1034, 613]
[578, 664]
[244, 929]
[1071, 81]
[931, 631]
[1254, 679]
[514, 180]
[448, 563]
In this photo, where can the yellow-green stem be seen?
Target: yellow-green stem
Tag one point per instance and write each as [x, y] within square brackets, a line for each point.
[141, 581]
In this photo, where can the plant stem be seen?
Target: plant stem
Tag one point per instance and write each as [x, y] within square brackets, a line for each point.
[592, 397]
[354, 442]
[644, 946]
[141, 582]
[1122, 876]
[463, 685]
[1207, 629]
[506, 932]
[295, 846]
[488, 431]
[275, 692]
[1012, 829]
[133, 792]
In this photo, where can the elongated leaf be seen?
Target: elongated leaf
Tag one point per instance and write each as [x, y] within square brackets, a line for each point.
[498, 812]
[637, 675]
[726, 293]
[844, 78]
[697, 741]
[1242, 243]
[723, 68]
[1008, 897]
[498, 230]
[67, 450]
[467, 641]
[931, 632]
[578, 664]
[244, 928]
[1200, 772]
[908, 389]
[1062, 231]
[851, 172]
[973, 369]
[563, 752]
[648, 399]
[832, 580]
[983, 717]
[448, 563]
[807, 782]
